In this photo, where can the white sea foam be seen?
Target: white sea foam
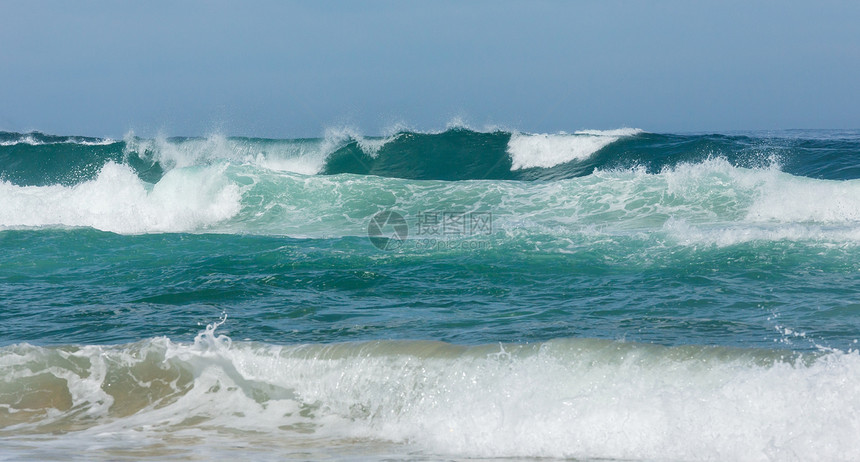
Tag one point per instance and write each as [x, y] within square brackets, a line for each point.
[565, 398]
[98, 142]
[619, 132]
[118, 201]
[785, 198]
[723, 235]
[26, 139]
[774, 196]
[758, 205]
[545, 150]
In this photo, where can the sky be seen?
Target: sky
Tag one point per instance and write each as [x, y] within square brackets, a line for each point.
[283, 69]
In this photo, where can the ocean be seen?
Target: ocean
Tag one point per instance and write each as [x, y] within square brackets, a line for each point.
[460, 294]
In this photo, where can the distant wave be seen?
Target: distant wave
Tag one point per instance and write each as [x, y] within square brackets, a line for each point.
[462, 154]
[457, 153]
[545, 151]
[41, 139]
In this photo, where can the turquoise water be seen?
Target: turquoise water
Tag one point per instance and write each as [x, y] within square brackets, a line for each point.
[600, 294]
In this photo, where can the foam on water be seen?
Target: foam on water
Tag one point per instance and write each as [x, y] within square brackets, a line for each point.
[762, 204]
[785, 198]
[544, 150]
[727, 235]
[619, 132]
[563, 398]
[25, 139]
[118, 201]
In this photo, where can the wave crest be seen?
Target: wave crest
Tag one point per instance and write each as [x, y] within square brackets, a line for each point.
[117, 200]
[545, 151]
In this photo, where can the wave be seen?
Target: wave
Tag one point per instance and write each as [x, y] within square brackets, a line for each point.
[618, 184]
[458, 153]
[117, 200]
[576, 398]
[304, 156]
[711, 203]
[455, 154]
[463, 154]
[545, 151]
[41, 139]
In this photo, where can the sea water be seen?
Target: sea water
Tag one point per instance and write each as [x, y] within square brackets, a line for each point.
[618, 294]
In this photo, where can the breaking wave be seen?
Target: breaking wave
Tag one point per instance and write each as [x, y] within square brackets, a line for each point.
[575, 398]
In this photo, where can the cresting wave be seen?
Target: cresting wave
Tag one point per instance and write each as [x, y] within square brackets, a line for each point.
[576, 398]
[462, 154]
[407, 155]
[545, 151]
[455, 154]
[40, 139]
[711, 202]
[117, 200]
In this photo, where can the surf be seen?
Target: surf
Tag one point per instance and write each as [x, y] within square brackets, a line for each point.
[710, 202]
[580, 398]
[117, 200]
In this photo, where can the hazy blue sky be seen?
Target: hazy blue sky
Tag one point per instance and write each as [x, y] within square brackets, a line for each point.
[286, 69]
